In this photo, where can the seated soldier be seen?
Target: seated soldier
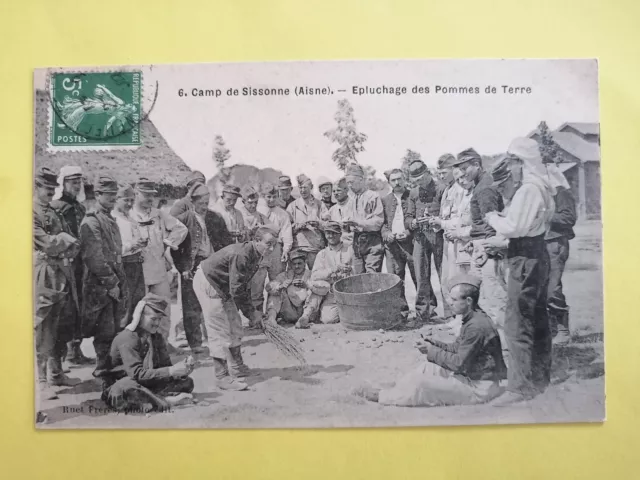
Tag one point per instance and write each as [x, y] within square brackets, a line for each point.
[142, 376]
[465, 372]
[289, 293]
[332, 264]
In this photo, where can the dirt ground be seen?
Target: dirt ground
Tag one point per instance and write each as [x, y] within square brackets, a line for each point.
[283, 395]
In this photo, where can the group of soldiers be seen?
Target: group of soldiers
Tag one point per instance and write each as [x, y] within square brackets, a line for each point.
[106, 273]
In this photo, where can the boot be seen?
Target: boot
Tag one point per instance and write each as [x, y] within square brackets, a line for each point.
[563, 336]
[237, 368]
[75, 355]
[223, 380]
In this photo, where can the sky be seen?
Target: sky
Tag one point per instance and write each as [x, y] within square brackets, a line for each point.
[286, 132]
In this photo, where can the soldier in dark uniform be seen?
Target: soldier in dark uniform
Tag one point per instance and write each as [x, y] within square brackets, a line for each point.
[55, 250]
[67, 202]
[284, 191]
[105, 287]
[422, 204]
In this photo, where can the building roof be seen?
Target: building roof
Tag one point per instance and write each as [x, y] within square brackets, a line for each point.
[582, 127]
[576, 146]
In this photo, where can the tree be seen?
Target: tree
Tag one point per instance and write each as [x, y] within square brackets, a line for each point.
[549, 149]
[409, 157]
[221, 156]
[346, 135]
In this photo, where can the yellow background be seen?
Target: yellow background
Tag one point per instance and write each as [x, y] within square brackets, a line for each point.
[61, 32]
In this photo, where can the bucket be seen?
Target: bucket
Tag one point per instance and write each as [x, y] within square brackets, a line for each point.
[369, 301]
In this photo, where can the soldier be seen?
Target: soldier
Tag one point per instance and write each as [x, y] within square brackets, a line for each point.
[290, 296]
[68, 203]
[161, 230]
[307, 213]
[368, 217]
[325, 187]
[183, 204]
[332, 264]
[423, 203]
[253, 219]
[207, 234]
[226, 206]
[132, 246]
[285, 188]
[55, 249]
[222, 285]
[342, 211]
[105, 286]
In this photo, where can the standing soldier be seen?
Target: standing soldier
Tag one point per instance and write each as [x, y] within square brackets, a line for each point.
[368, 217]
[132, 246]
[325, 187]
[397, 239]
[445, 257]
[307, 213]
[105, 286]
[68, 203]
[558, 236]
[226, 207]
[161, 231]
[285, 188]
[521, 179]
[342, 211]
[423, 203]
[55, 249]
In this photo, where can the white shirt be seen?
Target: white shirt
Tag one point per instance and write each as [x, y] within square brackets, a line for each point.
[129, 232]
[397, 226]
[205, 245]
[528, 215]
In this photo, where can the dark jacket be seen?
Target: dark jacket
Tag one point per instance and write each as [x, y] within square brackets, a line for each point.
[423, 200]
[102, 257]
[230, 270]
[476, 353]
[485, 199]
[219, 236]
[390, 204]
[132, 355]
[72, 211]
[565, 215]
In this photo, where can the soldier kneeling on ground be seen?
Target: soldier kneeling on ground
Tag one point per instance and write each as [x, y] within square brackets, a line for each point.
[290, 294]
[332, 264]
[142, 376]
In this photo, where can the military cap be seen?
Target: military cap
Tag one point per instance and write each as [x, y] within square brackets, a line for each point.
[249, 192]
[355, 170]
[284, 182]
[229, 188]
[303, 179]
[145, 185]
[417, 168]
[155, 302]
[324, 181]
[106, 184]
[465, 279]
[199, 190]
[46, 178]
[297, 253]
[195, 177]
[332, 227]
[125, 191]
[69, 172]
[446, 161]
[501, 171]
[468, 155]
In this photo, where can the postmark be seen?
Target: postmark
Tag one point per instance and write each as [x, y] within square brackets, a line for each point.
[95, 110]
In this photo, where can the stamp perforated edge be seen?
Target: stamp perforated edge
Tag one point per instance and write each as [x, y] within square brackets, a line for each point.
[145, 109]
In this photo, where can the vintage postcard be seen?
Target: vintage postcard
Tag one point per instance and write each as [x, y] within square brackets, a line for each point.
[318, 244]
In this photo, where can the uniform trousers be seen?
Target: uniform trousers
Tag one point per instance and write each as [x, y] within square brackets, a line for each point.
[558, 249]
[368, 253]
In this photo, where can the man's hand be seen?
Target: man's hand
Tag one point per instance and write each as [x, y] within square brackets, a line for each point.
[414, 224]
[435, 222]
[181, 369]
[140, 244]
[299, 226]
[187, 275]
[285, 257]
[312, 223]
[423, 346]
[114, 293]
[300, 283]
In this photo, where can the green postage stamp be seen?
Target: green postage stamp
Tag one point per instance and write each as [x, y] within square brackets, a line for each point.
[95, 109]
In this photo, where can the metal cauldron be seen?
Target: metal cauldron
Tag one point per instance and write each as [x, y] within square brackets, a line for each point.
[369, 301]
